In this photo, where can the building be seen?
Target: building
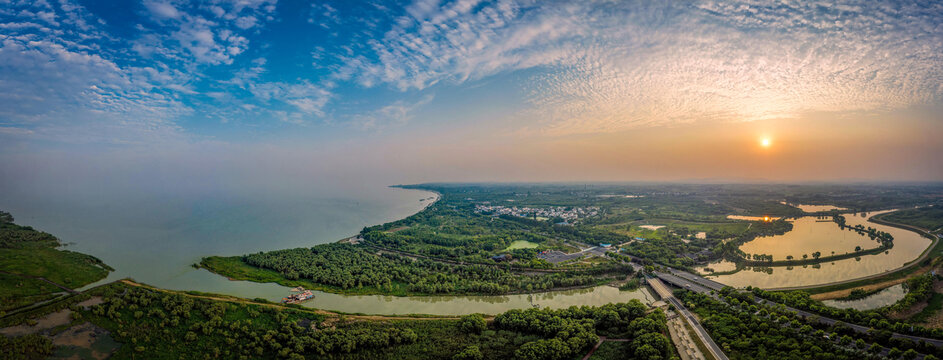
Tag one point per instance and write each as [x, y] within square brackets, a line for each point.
[502, 257]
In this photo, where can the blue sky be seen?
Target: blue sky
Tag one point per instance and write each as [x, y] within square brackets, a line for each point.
[526, 77]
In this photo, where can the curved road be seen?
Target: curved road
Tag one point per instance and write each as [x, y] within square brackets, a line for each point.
[698, 284]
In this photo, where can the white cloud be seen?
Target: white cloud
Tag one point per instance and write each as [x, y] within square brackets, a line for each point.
[66, 95]
[396, 114]
[306, 98]
[605, 66]
[246, 22]
[162, 9]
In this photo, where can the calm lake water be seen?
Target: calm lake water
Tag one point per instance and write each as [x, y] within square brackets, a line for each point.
[808, 236]
[814, 208]
[882, 298]
[155, 239]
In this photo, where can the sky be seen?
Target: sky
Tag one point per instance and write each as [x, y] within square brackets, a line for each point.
[257, 93]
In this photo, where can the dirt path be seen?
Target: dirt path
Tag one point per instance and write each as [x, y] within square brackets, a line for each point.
[598, 343]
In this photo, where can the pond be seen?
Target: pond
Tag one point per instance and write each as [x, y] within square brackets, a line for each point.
[811, 236]
[521, 244]
[717, 266]
[651, 227]
[751, 217]
[885, 297]
[814, 208]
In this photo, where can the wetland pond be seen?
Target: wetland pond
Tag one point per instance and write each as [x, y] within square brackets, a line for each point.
[811, 234]
[885, 297]
[521, 244]
[813, 208]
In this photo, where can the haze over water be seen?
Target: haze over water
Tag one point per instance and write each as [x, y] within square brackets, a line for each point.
[155, 238]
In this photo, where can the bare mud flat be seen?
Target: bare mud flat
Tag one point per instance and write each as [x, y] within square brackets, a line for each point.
[62, 317]
[85, 341]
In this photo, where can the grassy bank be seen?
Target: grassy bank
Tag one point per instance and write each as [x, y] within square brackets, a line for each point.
[903, 273]
[812, 261]
[28, 256]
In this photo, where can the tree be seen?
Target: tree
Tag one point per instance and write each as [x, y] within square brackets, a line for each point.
[647, 352]
[471, 352]
[655, 341]
[910, 354]
[845, 340]
[472, 324]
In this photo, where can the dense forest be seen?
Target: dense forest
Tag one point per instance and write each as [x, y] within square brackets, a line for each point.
[158, 324]
[746, 329]
[346, 266]
[450, 229]
[919, 288]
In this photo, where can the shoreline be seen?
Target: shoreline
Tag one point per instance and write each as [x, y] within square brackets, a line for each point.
[934, 243]
[438, 196]
[353, 239]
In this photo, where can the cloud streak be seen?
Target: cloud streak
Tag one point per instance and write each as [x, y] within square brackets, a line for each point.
[178, 68]
[607, 66]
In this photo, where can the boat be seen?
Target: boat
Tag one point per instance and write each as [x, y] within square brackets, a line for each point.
[298, 295]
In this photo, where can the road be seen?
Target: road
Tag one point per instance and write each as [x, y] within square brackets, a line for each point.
[698, 284]
[698, 329]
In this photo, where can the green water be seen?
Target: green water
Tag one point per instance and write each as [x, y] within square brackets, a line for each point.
[882, 298]
[521, 244]
[154, 239]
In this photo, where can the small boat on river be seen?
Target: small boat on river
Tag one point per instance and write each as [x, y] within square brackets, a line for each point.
[298, 295]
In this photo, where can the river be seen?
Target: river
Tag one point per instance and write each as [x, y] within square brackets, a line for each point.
[809, 236]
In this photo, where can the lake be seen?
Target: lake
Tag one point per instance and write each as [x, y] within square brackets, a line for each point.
[808, 236]
[814, 208]
[885, 297]
[155, 238]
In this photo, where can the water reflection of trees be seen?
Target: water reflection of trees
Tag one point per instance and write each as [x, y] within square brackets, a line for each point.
[534, 298]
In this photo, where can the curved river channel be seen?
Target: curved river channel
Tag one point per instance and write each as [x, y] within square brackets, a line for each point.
[811, 234]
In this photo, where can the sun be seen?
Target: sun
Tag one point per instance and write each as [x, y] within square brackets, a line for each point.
[766, 142]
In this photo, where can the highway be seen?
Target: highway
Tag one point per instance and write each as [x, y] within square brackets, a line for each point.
[699, 284]
[666, 295]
